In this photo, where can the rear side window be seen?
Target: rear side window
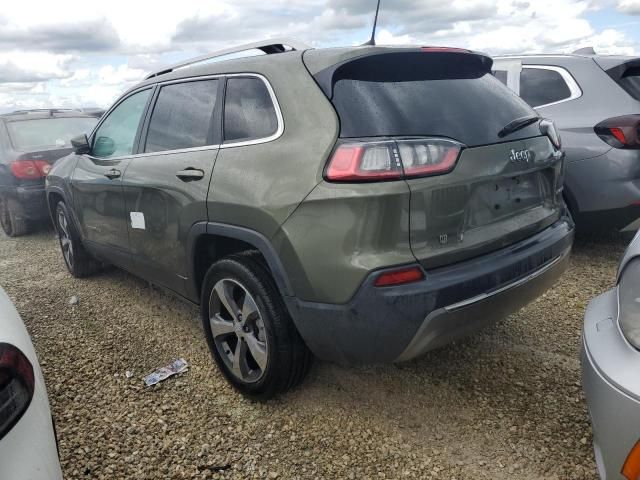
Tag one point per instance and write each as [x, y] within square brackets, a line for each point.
[542, 86]
[424, 94]
[630, 81]
[249, 113]
[183, 116]
[501, 75]
[48, 132]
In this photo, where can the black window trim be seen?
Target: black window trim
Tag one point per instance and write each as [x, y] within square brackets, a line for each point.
[572, 84]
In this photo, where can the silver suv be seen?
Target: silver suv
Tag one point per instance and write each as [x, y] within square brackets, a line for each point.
[595, 102]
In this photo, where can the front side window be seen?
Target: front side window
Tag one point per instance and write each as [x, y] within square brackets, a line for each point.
[249, 112]
[116, 135]
[542, 86]
[183, 116]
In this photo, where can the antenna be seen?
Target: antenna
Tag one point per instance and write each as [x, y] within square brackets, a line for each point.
[372, 40]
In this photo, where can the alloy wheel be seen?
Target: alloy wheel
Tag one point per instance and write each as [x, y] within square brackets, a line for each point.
[65, 239]
[238, 330]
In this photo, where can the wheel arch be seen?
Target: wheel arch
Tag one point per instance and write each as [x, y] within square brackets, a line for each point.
[54, 196]
[210, 241]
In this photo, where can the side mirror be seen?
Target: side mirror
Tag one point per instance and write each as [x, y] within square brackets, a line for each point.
[80, 144]
[104, 147]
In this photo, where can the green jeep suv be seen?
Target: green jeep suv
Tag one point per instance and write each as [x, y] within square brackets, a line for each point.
[361, 204]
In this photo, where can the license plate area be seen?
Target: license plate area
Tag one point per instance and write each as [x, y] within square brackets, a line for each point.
[501, 198]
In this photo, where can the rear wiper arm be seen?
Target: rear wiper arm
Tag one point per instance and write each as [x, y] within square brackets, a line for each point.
[518, 124]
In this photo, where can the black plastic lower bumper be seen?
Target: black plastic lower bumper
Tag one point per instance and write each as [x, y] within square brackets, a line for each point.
[398, 323]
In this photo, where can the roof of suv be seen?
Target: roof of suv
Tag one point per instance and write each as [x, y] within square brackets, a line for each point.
[605, 61]
[322, 58]
[37, 114]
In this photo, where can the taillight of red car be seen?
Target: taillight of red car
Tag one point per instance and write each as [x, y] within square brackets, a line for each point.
[30, 169]
[17, 383]
[380, 160]
[620, 132]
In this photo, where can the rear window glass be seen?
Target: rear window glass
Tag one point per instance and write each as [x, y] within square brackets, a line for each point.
[48, 132]
[630, 81]
[249, 113]
[425, 94]
[540, 86]
[183, 116]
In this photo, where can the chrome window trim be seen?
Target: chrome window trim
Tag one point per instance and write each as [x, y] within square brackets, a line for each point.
[279, 130]
[574, 88]
[278, 133]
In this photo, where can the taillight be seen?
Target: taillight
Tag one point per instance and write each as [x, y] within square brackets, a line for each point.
[399, 276]
[620, 132]
[366, 161]
[631, 467]
[30, 169]
[17, 384]
[445, 49]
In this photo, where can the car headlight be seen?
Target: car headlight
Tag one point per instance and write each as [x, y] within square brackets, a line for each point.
[629, 298]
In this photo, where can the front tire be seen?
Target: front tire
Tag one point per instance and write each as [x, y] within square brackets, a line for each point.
[249, 331]
[78, 261]
[12, 224]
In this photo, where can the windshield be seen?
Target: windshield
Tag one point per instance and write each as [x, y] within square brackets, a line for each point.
[418, 94]
[48, 132]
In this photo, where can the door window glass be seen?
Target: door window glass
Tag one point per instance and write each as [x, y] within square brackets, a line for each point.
[115, 136]
[183, 116]
[249, 112]
[541, 87]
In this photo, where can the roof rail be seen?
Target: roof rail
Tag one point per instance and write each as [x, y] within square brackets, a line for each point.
[273, 45]
[51, 111]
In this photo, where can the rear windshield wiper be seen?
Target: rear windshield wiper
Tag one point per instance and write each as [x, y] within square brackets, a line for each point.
[518, 124]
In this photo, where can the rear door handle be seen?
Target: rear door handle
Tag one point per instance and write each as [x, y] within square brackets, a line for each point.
[190, 174]
[113, 173]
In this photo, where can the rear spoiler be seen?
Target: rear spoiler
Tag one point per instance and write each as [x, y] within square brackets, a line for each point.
[617, 66]
[344, 69]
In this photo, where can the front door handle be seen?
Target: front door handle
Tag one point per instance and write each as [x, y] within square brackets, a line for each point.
[113, 173]
[190, 174]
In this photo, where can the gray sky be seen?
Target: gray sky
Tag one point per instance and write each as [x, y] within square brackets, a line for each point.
[71, 53]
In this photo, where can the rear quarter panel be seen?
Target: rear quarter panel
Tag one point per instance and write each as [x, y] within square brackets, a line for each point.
[259, 186]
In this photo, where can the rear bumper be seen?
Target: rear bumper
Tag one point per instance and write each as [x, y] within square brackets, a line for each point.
[32, 201]
[399, 323]
[611, 384]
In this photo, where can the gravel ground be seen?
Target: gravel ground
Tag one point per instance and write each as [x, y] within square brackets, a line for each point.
[504, 404]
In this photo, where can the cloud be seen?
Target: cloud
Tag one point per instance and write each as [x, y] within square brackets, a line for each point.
[90, 55]
[630, 7]
[17, 66]
[92, 36]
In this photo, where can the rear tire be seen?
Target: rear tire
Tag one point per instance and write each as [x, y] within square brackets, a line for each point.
[257, 347]
[12, 224]
[78, 261]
